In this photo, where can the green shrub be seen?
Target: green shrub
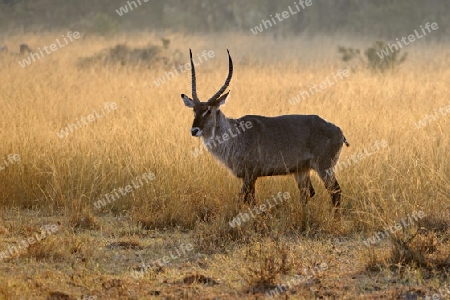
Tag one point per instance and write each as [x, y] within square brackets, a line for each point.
[375, 58]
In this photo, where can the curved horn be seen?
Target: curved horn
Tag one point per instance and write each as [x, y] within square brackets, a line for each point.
[227, 82]
[194, 82]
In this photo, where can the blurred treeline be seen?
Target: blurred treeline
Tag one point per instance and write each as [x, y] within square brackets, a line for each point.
[380, 18]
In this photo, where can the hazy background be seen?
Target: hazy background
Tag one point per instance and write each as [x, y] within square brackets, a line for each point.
[386, 19]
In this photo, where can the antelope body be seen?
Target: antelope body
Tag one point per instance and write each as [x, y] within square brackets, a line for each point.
[254, 146]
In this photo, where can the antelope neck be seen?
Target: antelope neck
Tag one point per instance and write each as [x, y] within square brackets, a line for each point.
[223, 126]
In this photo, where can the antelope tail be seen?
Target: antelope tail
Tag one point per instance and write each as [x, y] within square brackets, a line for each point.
[345, 142]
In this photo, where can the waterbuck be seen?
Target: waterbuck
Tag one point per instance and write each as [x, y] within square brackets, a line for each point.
[267, 146]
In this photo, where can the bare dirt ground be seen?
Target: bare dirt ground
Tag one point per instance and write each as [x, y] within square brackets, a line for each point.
[118, 260]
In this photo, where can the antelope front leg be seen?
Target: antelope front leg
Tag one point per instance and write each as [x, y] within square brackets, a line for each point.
[248, 190]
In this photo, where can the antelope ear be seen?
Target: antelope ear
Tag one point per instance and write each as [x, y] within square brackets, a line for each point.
[187, 101]
[221, 100]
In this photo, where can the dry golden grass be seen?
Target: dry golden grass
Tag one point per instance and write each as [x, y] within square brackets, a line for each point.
[192, 199]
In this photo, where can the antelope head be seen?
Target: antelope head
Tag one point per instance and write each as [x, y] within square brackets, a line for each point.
[206, 112]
